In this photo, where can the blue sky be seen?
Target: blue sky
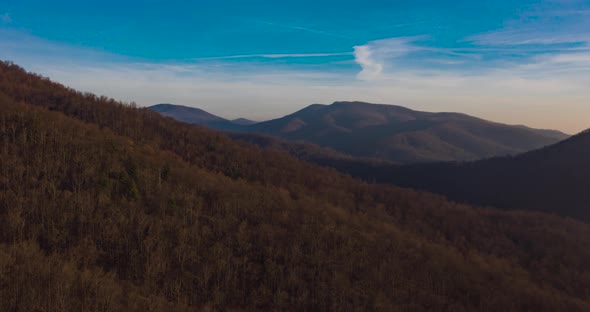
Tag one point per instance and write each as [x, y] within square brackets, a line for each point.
[521, 61]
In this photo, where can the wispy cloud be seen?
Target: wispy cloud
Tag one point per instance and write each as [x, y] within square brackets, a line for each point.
[275, 56]
[373, 56]
[371, 68]
[6, 18]
[304, 29]
[25, 47]
[544, 23]
[530, 36]
[572, 13]
[547, 45]
[576, 58]
[559, 65]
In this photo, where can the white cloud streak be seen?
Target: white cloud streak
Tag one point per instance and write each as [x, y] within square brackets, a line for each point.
[548, 92]
[304, 29]
[375, 55]
[370, 68]
[545, 23]
[274, 56]
[528, 36]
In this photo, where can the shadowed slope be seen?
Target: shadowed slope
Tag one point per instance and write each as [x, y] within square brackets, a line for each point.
[553, 179]
[198, 116]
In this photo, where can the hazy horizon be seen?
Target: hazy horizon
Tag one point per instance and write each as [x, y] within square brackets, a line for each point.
[346, 101]
[515, 62]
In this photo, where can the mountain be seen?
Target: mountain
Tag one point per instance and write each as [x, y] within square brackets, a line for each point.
[402, 135]
[389, 132]
[243, 122]
[558, 135]
[186, 114]
[109, 207]
[198, 116]
[554, 179]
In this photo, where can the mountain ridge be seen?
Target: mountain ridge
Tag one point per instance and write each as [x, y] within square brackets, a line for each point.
[400, 134]
[198, 116]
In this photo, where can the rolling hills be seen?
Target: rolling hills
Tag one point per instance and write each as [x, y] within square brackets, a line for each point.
[198, 116]
[553, 179]
[396, 133]
[109, 207]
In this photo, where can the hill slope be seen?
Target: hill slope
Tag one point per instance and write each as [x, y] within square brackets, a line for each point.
[198, 116]
[402, 135]
[108, 207]
[243, 122]
[554, 179]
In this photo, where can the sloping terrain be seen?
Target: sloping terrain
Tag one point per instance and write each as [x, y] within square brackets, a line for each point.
[243, 122]
[197, 116]
[402, 135]
[554, 179]
[387, 132]
[104, 206]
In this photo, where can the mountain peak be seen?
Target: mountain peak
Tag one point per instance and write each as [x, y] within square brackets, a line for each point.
[403, 135]
[367, 104]
[389, 132]
[243, 121]
[198, 116]
[187, 114]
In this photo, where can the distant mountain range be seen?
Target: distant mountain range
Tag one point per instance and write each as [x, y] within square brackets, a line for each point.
[197, 116]
[389, 132]
[547, 176]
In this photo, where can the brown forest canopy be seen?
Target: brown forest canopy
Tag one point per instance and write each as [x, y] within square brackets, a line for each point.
[104, 206]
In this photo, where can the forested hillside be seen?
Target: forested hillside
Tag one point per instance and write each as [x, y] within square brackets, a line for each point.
[108, 207]
[554, 179]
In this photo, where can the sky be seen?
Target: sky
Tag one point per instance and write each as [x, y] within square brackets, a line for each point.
[517, 62]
